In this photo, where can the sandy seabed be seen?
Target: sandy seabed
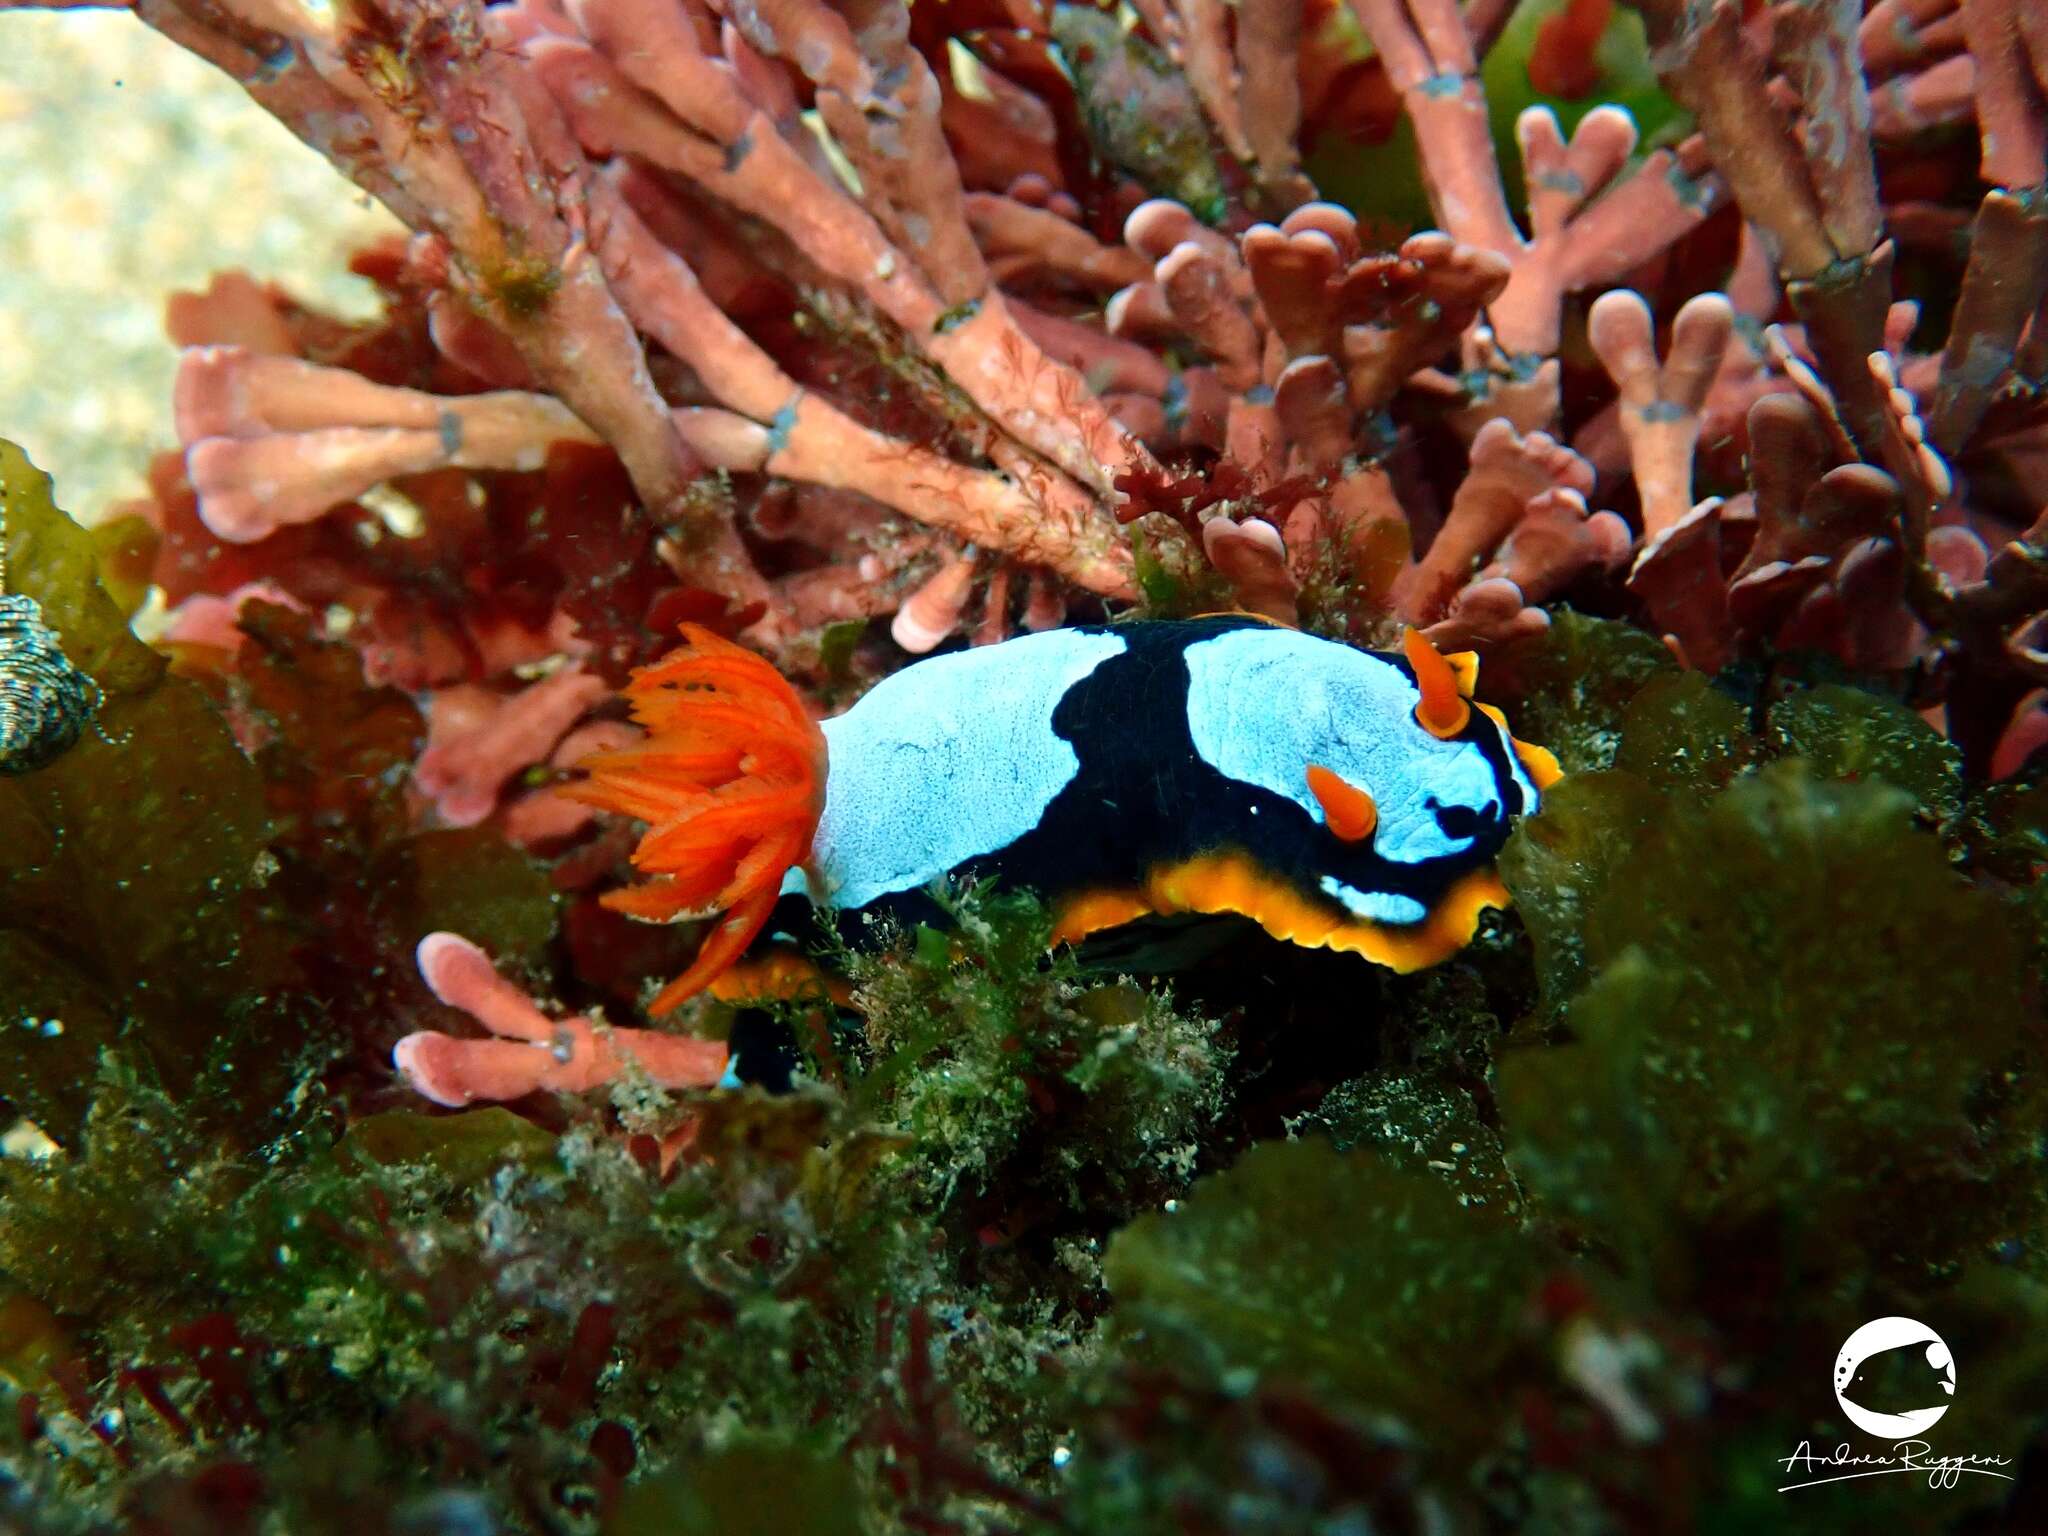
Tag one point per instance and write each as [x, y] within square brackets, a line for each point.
[129, 170]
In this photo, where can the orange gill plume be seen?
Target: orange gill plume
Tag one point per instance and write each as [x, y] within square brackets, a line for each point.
[731, 781]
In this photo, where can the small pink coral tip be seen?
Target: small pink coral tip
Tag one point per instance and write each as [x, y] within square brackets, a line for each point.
[532, 1051]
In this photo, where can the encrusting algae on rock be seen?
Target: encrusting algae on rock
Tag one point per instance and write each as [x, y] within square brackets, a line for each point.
[958, 1094]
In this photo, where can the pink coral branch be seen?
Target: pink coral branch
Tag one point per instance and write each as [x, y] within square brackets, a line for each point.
[2008, 42]
[1810, 191]
[1253, 559]
[628, 101]
[485, 155]
[1678, 579]
[272, 441]
[1661, 405]
[1026, 242]
[1487, 613]
[1898, 35]
[1111, 365]
[1818, 41]
[1430, 61]
[799, 435]
[547, 816]
[1945, 92]
[1409, 309]
[2004, 284]
[427, 112]
[1807, 506]
[880, 100]
[478, 742]
[1555, 542]
[214, 622]
[532, 1053]
[1508, 472]
[1197, 284]
[1578, 237]
[1269, 36]
[932, 613]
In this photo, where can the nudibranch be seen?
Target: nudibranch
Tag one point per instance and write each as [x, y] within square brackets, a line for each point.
[1338, 798]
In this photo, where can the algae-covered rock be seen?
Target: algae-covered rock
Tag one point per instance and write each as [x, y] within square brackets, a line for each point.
[1327, 1270]
[1794, 1001]
[1140, 112]
[56, 562]
[57, 1018]
[1569, 688]
[1681, 733]
[2005, 831]
[462, 1148]
[1851, 733]
[1558, 863]
[983, 1043]
[1421, 1125]
[115, 1224]
[754, 1488]
[132, 859]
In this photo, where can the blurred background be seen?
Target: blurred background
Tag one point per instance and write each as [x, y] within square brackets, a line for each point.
[129, 170]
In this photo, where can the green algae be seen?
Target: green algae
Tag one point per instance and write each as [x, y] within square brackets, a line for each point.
[134, 859]
[465, 1149]
[172, 894]
[51, 559]
[1852, 733]
[1558, 864]
[464, 880]
[127, 550]
[1733, 945]
[1569, 688]
[1141, 114]
[836, 644]
[110, 1231]
[984, 1041]
[1175, 579]
[753, 1488]
[1328, 1270]
[1816, 939]
[1680, 733]
[1419, 1123]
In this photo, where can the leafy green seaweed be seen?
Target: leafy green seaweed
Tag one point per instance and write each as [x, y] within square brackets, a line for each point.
[1326, 1270]
[135, 860]
[1815, 939]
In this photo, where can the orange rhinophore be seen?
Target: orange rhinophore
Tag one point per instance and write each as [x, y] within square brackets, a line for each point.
[1442, 710]
[731, 781]
[1348, 811]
